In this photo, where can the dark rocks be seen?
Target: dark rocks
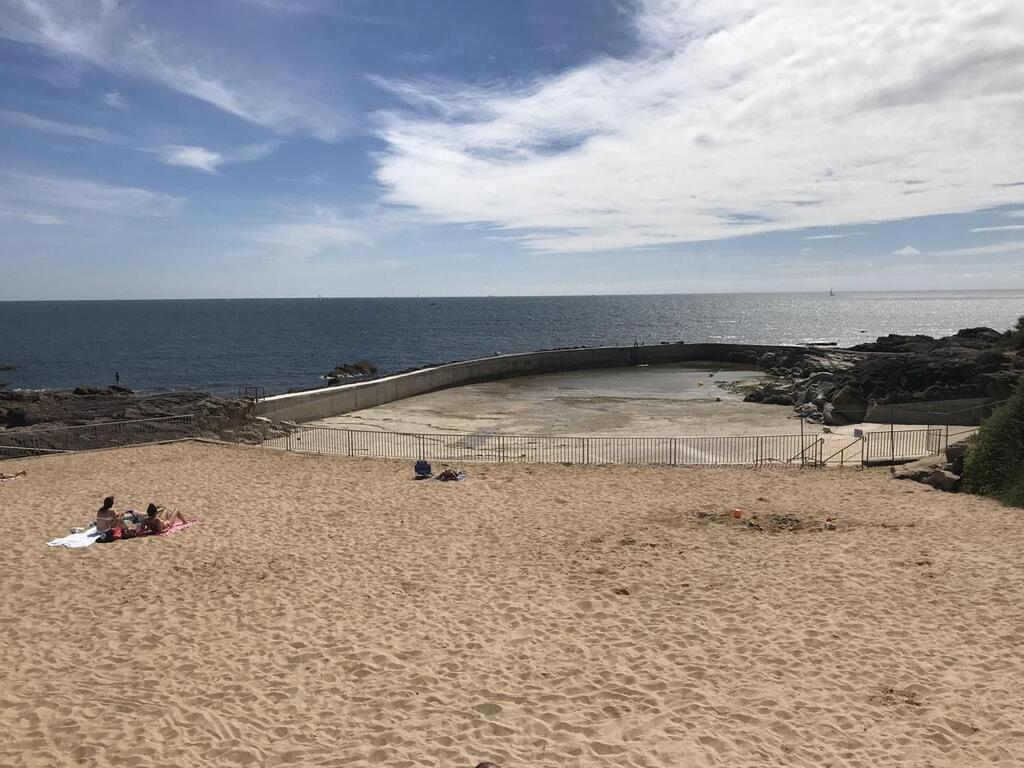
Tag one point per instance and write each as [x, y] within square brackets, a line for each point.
[8, 367]
[845, 385]
[214, 418]
[918, 471]
[943, 479]
[358, 370]
[774, 393]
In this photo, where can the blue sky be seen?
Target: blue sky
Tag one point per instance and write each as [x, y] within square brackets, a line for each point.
[473, 147]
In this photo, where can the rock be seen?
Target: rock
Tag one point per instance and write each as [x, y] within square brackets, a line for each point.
[998, 385]
[848, 398]
[773, 393]
[980, 337]
[943, 479]
[355, 370]
[807, 410]
[81, 391]
[956, 453]
[828, 416]
[8, 367]
[918, 470]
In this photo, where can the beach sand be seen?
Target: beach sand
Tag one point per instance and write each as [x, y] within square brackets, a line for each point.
[333, 612]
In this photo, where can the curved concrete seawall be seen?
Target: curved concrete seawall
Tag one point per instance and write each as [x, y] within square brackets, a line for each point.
[334, 401]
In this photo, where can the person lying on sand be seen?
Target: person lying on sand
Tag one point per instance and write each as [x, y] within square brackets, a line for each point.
[106, 518]
[160, 519]
[19, 473]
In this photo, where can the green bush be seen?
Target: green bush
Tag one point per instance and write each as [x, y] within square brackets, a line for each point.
[1015, 336]
[995, 463]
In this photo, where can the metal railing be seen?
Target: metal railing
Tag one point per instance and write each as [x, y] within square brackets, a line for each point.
[753, 450]
[901, 445]
[804, 450]
[110, 434]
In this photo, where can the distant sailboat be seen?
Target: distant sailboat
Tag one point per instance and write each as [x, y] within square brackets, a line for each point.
[831, 292]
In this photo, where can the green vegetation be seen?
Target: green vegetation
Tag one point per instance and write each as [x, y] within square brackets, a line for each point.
[995, 462]
[1015, 336]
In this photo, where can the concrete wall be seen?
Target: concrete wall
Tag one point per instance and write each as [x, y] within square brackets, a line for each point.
[965, 412]
[334, 401]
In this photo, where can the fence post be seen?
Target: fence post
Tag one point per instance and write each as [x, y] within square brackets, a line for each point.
[348, 437]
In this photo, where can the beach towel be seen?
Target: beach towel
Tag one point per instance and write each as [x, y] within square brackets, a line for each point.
[86, 538]
[178, 526]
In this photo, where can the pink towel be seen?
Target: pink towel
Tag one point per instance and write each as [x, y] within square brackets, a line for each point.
[178, 526]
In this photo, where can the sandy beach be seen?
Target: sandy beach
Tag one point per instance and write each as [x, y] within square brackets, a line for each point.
[333, 612]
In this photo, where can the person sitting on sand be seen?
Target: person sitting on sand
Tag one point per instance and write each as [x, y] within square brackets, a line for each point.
[106, 518]
[160, 519]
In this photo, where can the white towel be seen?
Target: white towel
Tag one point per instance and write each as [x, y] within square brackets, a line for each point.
[77, 540]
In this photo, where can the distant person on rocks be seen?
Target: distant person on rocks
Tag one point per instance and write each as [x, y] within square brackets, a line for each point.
[117, 379]
[160, 519]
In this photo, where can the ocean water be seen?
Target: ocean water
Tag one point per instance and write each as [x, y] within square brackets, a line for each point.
[280, 344]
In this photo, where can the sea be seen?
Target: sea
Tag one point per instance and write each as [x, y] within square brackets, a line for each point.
[220, 345]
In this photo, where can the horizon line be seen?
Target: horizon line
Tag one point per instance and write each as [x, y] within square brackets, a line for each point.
[515, 296]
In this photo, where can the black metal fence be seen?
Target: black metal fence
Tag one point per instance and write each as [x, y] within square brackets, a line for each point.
[681, 451]
[814, 450]
[747, 450]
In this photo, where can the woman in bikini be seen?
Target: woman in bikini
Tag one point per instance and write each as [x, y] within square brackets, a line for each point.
[160, 519]
[106, 518]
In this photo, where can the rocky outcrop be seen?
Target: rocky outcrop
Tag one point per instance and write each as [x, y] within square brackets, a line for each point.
[31, 419]
[342, 373]
[838, 386]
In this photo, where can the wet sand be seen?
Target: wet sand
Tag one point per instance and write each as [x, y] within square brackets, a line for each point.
[333, 612]
[657, 401]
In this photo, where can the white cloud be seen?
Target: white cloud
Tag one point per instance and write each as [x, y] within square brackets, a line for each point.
[736, 117]
[83, 196]
[321, 231]
[115, 99]
[907, 251]
[833, 237]
[1009, 246]
[32, 217]
[1003, 228]
[33, 123]
[208, 160]
[110, 34]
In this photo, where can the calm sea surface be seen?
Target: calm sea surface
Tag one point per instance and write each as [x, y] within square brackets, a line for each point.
[218, 345]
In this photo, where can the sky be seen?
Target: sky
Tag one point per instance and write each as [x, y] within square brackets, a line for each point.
[280, 148]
